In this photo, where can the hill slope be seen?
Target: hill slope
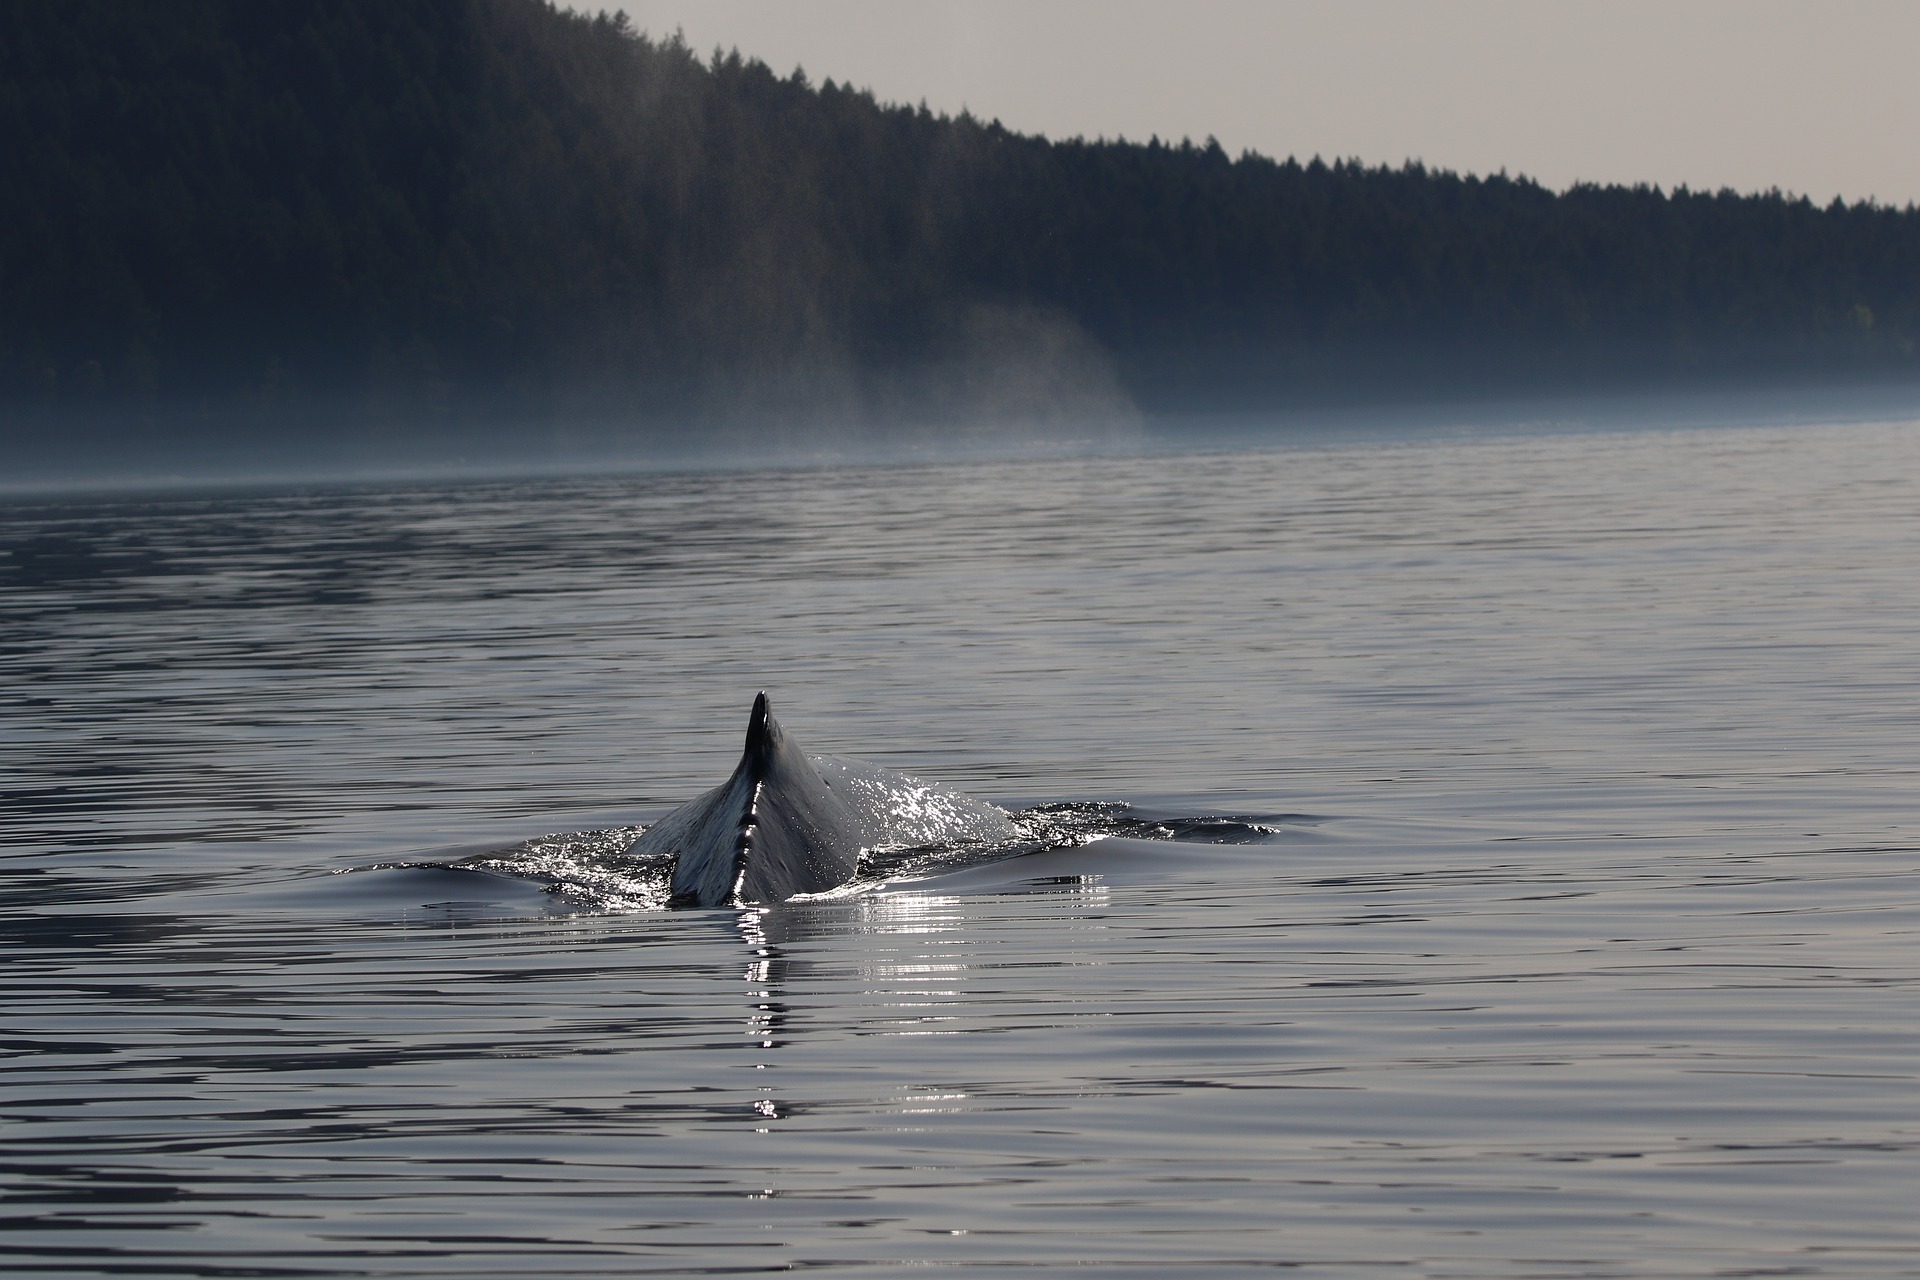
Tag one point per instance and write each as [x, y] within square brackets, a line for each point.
[465, 210]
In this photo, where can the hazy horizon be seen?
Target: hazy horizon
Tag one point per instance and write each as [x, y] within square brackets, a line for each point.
[596, 247]
[1748, 94]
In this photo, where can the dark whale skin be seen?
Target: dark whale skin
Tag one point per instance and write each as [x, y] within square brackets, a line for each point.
[787, 823]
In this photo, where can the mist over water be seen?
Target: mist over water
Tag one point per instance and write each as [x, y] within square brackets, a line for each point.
[1015, 385]
[1560, 920]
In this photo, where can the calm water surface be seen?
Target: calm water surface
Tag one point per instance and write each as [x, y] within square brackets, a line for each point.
[1568, 924]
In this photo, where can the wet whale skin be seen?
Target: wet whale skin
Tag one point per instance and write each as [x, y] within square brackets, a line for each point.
[787, 823]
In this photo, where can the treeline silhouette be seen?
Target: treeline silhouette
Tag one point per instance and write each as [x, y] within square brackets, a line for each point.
[408, 210]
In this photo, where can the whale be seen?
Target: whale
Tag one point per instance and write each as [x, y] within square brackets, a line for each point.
[787, 822]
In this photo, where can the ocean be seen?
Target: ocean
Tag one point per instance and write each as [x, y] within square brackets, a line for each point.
[1471, 855]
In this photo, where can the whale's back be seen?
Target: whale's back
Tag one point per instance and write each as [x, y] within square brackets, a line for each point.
[787, 823]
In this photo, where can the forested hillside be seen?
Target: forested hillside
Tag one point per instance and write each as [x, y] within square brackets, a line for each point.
[453, 210]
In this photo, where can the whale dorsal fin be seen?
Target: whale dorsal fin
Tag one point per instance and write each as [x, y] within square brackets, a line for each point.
[787, 823]
[760, 725]
[773, 829]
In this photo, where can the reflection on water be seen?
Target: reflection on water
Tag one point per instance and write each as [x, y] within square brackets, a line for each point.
[1522, 880]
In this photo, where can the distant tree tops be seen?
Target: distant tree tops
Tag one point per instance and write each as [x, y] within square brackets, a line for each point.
[445, 207]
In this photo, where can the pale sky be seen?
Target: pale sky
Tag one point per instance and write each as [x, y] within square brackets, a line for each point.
[1820, 99]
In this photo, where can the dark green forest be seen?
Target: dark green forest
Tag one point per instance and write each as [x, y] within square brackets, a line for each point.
[456, 211]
